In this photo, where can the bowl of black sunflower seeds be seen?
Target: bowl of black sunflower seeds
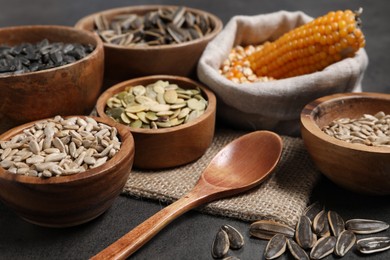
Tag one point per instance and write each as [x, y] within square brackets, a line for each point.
[46, 71]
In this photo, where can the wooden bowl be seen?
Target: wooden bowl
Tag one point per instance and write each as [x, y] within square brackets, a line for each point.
[357, 167]
[168, 147]
[68, 200]
[123, 63]
[66, 90]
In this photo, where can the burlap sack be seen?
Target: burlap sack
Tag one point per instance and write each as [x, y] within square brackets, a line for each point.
[274, 105]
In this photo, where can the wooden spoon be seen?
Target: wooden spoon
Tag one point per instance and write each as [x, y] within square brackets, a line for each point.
[241, 165]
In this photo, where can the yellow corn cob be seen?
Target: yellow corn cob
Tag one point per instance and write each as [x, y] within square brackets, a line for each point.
[310, 47]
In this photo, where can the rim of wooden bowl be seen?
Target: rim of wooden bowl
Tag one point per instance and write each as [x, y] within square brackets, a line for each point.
[310, 110]
[211, 107]
[218, 25]
[127, 147]
[99, 47]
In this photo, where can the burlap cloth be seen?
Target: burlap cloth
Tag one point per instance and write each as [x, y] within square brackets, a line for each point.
[282, 197]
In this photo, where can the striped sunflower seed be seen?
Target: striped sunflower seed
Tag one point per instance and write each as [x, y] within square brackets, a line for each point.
[344, 243]
[312, 210]
[373, 244]
[220, 245]
[323, 247]
[236, 240]
[366, 226]
[276, 246]
[320, 224]
[304, 234]
[296, 251]
[336, 223]
[266, 229]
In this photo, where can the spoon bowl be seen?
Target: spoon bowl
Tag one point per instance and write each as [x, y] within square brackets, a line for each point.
[244, 162]
[238, 167]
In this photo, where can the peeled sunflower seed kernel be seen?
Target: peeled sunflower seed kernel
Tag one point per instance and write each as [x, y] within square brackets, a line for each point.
[276, 246]
[323, 247]
[266, 229]
[344, 243]
[220, 245]
[366, 226]
[66, 153]
[236, 240]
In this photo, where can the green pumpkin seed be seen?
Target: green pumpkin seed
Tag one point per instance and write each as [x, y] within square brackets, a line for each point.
[160, 102]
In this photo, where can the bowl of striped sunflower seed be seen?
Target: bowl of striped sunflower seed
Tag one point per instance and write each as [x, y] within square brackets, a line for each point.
[171, 118]
[348, 137]
[48, 70]
[64, 171]
[152, 39]
[265, 68]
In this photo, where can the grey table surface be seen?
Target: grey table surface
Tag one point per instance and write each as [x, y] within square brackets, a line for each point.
[191, 235]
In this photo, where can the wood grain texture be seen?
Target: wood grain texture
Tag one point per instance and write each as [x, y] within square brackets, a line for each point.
[122, 63]
[168, 147]
[68, 200]
[66, 90]
[359, 168]
[239, 166]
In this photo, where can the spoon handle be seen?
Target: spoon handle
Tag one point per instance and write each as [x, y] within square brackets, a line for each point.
[133, 240]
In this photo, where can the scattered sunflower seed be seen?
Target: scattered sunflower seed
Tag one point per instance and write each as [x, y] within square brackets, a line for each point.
[336, 223]
[226, 237]
[220, 245]
[231, 258]
[276, 246]
[236, 240]
[266, 229]
[373, 244]
[323, 247]
[340, 243]
[344, 243]
[296, 251]
[312, 210]
[303, 233]
[320, 224]
[366, 226]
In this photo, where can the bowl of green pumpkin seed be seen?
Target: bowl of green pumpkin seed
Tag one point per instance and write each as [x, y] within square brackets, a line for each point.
[152, 39]
[171, 118]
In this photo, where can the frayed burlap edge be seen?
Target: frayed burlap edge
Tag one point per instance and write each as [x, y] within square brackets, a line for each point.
[282, 197]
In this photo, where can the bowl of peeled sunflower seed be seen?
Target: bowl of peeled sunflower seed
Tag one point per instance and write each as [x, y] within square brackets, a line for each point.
[348, 138]
[48, 70]
[171, 118]
[64, 171]
[152, 39]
